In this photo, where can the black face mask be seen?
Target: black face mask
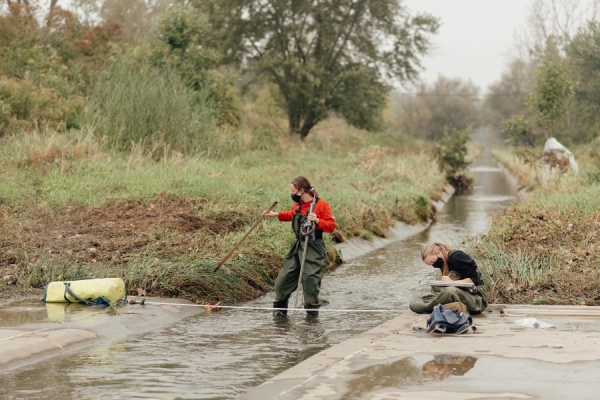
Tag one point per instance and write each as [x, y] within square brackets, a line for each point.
[439, 263]
[296, 197]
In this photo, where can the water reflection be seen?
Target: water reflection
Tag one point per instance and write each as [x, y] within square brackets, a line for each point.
[21, 312]
[407, 371]
[446, 365]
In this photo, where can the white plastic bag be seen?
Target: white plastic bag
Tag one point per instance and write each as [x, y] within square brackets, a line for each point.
[533, 323]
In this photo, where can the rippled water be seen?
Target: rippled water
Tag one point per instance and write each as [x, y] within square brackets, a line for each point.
[223, 354]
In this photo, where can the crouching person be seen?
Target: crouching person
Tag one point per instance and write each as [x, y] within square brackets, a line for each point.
[456, 266]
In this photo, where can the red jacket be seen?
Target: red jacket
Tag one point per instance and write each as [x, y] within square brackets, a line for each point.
[326, 220]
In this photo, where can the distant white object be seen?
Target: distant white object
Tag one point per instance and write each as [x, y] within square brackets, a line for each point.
[556, 155]
[533, 323]
[451, 283]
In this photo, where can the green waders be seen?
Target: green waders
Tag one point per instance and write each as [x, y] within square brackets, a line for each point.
[475, 302]
[287, 279]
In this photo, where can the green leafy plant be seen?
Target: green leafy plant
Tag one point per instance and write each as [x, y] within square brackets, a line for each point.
[451, 151]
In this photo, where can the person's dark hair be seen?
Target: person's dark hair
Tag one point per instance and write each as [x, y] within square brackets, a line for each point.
[300, 182]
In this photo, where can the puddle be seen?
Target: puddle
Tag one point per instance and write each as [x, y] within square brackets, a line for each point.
[22, 312]
[483, 374]
[31, 311]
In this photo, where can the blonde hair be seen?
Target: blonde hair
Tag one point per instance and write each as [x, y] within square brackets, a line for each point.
[433, 248]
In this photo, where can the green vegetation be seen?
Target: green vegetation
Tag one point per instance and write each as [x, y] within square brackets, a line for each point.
[133, 105]
[323, 56]
[61, 192]
[545, 250]
[128, 149]
[451, 152]
[547, 104]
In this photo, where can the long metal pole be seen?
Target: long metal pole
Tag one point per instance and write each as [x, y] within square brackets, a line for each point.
[244, 237]
[301, 270]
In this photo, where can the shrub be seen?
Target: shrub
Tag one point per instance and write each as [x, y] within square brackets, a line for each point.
[179, 46]
[137, 106]
[451, 152]
[24, 105]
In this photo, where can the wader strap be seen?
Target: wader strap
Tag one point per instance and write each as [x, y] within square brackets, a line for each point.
[318, 233]
[298, 206]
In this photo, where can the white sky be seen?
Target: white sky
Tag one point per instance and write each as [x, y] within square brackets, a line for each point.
[474, 39]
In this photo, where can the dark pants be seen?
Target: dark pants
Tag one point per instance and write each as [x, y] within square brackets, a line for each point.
[287, 279]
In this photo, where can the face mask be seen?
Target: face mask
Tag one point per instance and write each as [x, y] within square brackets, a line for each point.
[439, 263]
[296, 197]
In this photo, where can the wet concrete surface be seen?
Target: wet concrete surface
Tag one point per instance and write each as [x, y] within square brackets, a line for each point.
[32, 331]
[504, 360]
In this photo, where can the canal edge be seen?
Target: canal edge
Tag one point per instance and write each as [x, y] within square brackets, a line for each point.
[356, 247]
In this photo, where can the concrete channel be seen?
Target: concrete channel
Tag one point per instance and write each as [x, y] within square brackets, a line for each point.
[185, 352]
[502, 361]
[62, 328]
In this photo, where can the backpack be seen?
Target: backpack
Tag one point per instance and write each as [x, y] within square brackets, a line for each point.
[447, 321]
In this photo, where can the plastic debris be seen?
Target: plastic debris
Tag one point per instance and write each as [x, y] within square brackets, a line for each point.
[533, 323]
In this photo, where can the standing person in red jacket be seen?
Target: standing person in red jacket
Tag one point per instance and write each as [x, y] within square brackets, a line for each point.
[286, 283]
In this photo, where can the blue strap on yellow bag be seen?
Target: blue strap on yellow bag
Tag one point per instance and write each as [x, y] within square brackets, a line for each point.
[102, 292]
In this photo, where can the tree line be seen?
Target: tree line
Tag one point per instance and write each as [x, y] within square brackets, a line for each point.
[331, 56]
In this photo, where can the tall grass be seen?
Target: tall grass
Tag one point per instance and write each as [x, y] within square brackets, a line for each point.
[369, 180]
[505, 271]
[243, 280]
[135, 105]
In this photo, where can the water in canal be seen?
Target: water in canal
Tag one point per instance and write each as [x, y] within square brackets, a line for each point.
[223, 354]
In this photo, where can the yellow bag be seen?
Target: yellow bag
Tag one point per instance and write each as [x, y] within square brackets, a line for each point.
[85, 291]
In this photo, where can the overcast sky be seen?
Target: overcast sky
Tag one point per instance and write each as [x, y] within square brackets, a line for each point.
[474, 38]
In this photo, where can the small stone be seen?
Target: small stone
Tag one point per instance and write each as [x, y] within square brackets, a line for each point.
[92, 250]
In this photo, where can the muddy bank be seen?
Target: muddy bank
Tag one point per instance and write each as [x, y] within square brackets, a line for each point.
[117, 231]
[167, 246]
[544, 249]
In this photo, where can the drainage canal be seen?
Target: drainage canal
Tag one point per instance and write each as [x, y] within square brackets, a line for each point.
[223, 354]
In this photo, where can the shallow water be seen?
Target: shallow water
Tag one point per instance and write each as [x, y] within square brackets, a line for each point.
[223, 354]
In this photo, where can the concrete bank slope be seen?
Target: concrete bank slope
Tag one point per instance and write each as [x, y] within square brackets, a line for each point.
[357, 247]
[64, 327]
[504, 360]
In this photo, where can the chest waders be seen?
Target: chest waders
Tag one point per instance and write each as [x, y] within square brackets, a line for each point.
[302, 266]
[476, 302]
[307, 230]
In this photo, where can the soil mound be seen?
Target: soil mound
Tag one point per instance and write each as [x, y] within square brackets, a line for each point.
[117, 230]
